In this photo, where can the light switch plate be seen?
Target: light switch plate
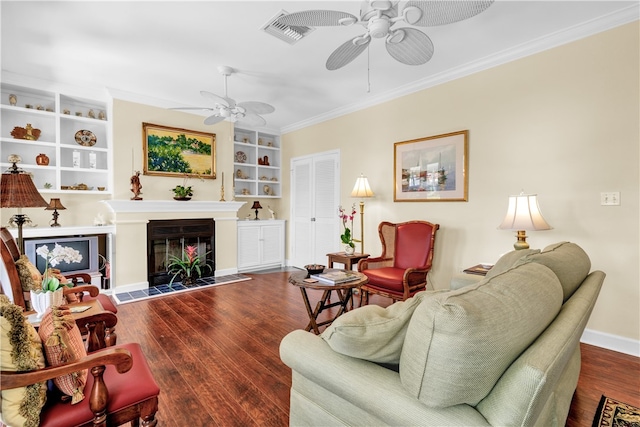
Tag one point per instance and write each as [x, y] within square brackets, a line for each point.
[611, 198]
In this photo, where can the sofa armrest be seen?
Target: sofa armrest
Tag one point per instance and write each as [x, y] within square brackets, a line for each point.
[460, 280]
[370, 387]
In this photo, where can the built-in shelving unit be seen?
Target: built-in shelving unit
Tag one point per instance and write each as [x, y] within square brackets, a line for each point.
[74, 167]
[256, 164]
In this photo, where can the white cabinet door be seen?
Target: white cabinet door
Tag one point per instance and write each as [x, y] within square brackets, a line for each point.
[260, 244]
[315, 189]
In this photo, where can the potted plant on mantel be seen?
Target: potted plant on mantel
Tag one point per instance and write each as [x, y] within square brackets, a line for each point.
[180, 192]
[52, 289]
[189, 266]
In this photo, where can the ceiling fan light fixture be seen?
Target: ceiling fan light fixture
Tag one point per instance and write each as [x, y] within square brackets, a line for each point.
[411, 14]
[361, 40]
[345, 22]
[396, 36]
[379, 27]
[380, 4]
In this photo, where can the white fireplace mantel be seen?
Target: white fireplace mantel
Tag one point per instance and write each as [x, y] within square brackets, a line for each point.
[142, 206]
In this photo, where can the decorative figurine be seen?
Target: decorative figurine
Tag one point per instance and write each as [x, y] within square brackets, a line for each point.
[13, 100]
[273, 214]
[102, 115]
[91, 114]
[136, 186]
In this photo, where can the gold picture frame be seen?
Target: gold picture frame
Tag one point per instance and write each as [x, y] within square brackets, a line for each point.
[432, 169]
[169, 151]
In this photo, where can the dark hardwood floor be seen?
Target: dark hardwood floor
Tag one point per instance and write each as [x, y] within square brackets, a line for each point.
[214, 353]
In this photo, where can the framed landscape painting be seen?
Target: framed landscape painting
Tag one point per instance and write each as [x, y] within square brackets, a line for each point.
[431, 169]
[178, 152]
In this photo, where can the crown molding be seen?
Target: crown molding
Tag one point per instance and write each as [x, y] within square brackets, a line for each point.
[559, 38]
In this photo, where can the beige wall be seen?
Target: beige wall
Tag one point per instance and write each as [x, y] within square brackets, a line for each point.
[562, 124]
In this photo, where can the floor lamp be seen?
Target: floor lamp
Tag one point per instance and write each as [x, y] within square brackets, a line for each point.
[523, 213]
[361, 190]
[17, 190]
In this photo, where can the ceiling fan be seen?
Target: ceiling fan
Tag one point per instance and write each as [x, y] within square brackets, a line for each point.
[244, 113]
[405, 44]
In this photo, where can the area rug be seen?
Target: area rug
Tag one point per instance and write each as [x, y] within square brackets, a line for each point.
[613, 413]
[177, 287]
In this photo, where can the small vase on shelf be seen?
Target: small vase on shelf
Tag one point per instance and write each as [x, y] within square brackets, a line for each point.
[349, 250]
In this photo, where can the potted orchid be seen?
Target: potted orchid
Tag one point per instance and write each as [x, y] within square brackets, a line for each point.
[189, 266]
[51, 288]
[346, 237]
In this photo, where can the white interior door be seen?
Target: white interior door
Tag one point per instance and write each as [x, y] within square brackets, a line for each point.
[315, 190]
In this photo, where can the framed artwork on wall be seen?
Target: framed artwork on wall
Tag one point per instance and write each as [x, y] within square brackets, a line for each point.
[178, 152]
[432, 169]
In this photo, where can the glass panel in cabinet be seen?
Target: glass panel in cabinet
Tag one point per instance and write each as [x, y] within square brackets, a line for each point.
[28, 98]
[39, 124]
[79, 107]
[84, 133]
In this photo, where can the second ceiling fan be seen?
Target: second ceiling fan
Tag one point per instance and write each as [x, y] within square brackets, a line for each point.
[379, 17]
[247, 113]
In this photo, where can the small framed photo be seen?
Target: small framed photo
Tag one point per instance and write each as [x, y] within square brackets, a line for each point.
[432, 169]
[178, 152]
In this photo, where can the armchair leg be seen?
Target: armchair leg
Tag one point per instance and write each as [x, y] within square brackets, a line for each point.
[364, 297]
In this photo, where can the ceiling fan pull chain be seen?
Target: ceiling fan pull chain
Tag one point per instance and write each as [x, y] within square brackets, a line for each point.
[368, 70]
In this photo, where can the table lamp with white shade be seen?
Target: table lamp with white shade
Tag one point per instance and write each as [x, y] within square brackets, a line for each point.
[361, 190]
[523, 214]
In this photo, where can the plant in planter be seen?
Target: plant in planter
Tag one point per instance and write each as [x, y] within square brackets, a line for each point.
[346, 237]
[184, 192]
[189, 266]
[51, 292]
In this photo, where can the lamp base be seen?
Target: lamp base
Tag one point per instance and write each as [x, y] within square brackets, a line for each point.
[521, 243]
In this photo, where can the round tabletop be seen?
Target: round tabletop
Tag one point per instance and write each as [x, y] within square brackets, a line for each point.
[297, 279]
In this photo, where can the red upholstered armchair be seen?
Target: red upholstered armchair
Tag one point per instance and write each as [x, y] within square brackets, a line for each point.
[407, 255]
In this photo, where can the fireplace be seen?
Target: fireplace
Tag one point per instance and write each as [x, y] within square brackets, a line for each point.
[167, 238]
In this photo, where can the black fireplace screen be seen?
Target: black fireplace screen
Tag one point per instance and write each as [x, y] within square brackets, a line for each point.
[167, 238]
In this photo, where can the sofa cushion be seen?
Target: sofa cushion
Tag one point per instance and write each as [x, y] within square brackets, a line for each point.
[30, 277]
[459, 343]
[567, 260]
[508, 260]
[20, 350]
[62, 344]
[371, 332]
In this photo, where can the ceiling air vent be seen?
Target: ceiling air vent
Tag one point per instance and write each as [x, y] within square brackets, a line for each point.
[288, 33]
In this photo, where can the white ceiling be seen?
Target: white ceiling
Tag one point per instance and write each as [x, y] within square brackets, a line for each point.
[164, 53]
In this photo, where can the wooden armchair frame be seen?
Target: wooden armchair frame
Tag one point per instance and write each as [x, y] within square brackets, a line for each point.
[414, 278]
[98, 401]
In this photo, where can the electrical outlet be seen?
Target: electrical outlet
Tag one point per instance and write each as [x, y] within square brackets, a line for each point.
[610, 199]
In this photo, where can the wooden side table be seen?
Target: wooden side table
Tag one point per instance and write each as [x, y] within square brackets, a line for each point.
[347, 260]
[343, 290]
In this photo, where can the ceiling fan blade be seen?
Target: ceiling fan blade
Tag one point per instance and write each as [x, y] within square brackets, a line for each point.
[415, 48]
[215, 98]
[257, 107]
[346, 53]
[447, 12]
[212, 120]
[318, 18]
[252, 120]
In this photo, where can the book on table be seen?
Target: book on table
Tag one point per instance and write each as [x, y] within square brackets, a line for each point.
[336, 277]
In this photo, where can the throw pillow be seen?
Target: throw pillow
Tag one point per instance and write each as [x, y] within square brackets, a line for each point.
[371, 332]
[459, 343]
[567, 260]
[30, 277]
[20, 350]
[62, 344]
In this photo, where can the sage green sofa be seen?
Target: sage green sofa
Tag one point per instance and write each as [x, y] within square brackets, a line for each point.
[501, 351]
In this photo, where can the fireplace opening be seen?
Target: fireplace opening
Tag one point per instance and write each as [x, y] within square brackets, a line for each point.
[168, 238]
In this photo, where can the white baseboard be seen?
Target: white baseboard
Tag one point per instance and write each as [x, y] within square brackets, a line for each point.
[130, 287]
[611, 342]
[226, 272]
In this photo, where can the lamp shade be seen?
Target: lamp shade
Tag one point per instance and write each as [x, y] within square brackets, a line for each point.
[523, 213]
[17, 190]
[256, 205]
[362, 188]
[54, 204]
